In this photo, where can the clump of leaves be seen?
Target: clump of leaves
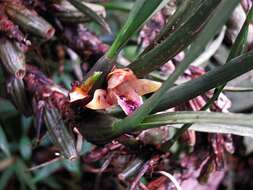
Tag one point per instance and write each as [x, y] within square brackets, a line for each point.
[99, 109]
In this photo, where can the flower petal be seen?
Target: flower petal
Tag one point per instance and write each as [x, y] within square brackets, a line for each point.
[144, 86]
[81, 91]
[99, 101]
[77, 94]
[118, 76]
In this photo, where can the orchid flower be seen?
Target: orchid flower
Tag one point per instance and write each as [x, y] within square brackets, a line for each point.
[123, 89]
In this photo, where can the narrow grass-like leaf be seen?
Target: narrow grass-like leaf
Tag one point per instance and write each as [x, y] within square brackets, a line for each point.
[215, 23]
[183, 13]
[237, 49]
[232, 123]
[210, 50]
[81, 6]
[216, 77]
[24, 176]
[246, 131]
[238, 89]
[5, 176]
[141, 12]
[47, 171]
[176, 42]
[119, 6]
[25, 148]
[4, 145]
[196, 117]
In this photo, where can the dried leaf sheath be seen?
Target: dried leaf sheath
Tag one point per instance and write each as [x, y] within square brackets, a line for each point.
[29, 20]
[59, 133]
[12, 57]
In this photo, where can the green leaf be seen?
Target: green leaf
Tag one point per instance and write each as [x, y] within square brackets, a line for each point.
[238, 89]
[196, 117]
[52, 182]
[23, 175]
[4, 145]
[7, 110]
[216, 77]
[119, 6]
[25, 147]
[72, 167]
[239, 124]
[26, 123]
[82, 6]
[46, 171]
[215, 24]
[183, 13]
[141, 12]
[246, 131]
[196, 48]
[5, 176]
[237, 49]
[241, 41]
[176, 42]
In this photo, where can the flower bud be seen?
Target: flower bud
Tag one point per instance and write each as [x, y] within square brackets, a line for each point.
[16, 90]
[29, 20]
[13, 59]
[58, 132]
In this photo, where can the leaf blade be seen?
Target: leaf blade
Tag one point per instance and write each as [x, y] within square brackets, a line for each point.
[176, 42]
[4, 145]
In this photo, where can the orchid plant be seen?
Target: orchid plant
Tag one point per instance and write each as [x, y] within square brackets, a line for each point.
[141, 117]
